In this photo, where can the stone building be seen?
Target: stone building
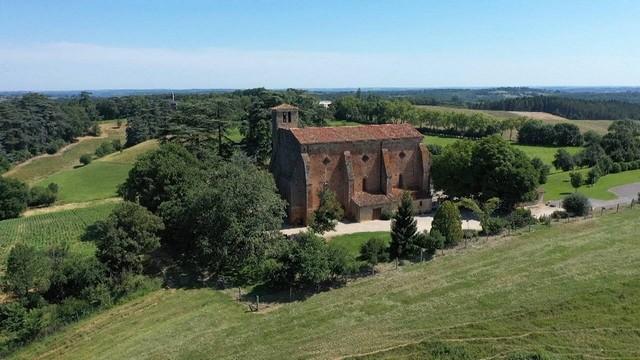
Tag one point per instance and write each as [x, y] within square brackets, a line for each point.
[368, 167]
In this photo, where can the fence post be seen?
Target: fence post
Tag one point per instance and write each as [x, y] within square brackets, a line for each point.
[618, 208]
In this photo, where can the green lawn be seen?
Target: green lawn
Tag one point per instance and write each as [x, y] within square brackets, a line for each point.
[45, 230]
[495, 113]
[42, 167]
[353, 242]
[572, 291]
[559, 186]
[545, 153]
[99, 179]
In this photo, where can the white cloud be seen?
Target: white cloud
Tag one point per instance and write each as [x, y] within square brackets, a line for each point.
[65, 66]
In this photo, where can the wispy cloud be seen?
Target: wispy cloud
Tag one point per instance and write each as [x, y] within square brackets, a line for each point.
[88, 66]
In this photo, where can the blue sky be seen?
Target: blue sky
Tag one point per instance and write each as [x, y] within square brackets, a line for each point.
[47, 45]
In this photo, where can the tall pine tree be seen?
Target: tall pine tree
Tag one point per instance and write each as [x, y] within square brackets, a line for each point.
[403, 228]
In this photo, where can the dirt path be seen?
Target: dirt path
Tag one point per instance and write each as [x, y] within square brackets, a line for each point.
[104, 128]
[55, 208]
[424, 223]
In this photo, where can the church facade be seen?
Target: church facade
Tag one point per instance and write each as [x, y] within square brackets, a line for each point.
[368, 167]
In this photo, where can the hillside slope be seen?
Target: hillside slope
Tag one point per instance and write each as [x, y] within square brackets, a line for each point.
[569, 290]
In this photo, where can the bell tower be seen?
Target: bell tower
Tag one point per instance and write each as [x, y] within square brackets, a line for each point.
[283, 116]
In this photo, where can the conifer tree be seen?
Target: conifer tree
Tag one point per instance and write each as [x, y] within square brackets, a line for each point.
[447, 222]
[403, 228]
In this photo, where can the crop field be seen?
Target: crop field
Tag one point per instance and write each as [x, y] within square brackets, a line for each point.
[40, 167]
[52, 228]
[99, 179]
[495, 113]
[568, 291]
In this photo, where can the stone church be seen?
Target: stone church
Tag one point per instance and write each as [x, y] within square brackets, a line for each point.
[368, 167]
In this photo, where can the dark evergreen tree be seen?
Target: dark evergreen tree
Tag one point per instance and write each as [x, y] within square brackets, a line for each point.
[403, 228]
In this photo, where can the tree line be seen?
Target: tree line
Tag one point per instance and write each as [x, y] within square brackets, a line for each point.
[35, 124]
[570, 108]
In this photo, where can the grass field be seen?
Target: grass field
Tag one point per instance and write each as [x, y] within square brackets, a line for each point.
[99, 179]
[558, 185]
[46, 165]
[353, 242]
[52, 228]
[495, 113]
[572, 291]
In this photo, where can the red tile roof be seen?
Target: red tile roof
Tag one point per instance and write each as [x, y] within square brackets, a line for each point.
[318, 135]
[368, 199]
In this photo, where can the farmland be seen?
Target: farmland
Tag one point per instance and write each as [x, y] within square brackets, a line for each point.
[569, 290]
[600, 126]
[52, 228]
[99, 179]
[45, 165]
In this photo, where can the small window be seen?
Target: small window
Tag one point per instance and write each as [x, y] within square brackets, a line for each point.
[402, 155]
[420, 203]
[326, 161]
[400, 183]
[364, 184]
[289, 117]
[365, 158]
[284, 117]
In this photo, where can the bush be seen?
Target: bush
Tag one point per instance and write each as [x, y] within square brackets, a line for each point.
[41, 196]
[373, 251]
[576, 204]
[386, 214]
[105, 148]
[4, 164]
[616, 168]
[545, 220]
[434, 149]
[520, 218]
[86, 159]
[493, 225]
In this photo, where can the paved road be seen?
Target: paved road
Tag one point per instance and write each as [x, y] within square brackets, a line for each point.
[625, 193]
[424, 223]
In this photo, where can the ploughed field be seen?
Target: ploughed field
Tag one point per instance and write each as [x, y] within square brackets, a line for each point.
[569, 291]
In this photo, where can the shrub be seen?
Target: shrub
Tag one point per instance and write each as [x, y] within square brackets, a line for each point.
[386, 214]
[116, 144]
[615, 168]
[41, 196]
[86, 159]
[520, 218]
[576, 204]
[434, 149]
[593, 176]
[105, 148]
[545, 219]
[4, 164]
[27, 270]
[373, 251]
[576, 179]
[493, 225]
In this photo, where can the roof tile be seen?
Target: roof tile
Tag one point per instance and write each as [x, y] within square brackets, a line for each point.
[318, 135]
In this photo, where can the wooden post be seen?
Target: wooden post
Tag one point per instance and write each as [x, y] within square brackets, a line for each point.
[618, 208]
[257, 303]
[239, 294]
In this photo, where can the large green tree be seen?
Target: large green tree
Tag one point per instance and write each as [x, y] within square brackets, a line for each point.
[14, 196]
[126, 238]
[403, 228]
[451, 171]
[28, 270]
[161, 175]
[503, 171]
[226, 219]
